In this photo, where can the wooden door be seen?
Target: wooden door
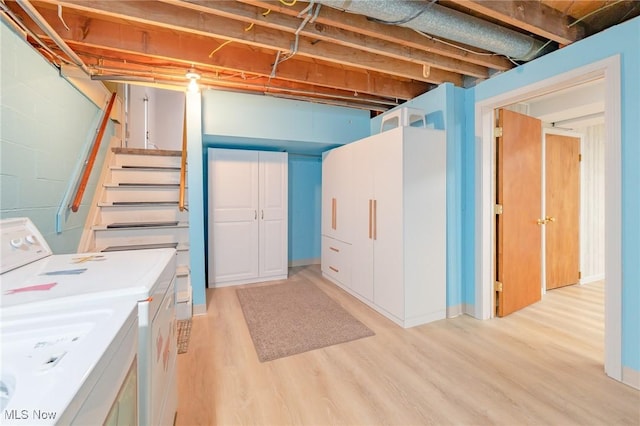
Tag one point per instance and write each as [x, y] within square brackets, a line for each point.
[519, 191]
[273, 214]
[233, 215]
[562, 202]
[362, 223]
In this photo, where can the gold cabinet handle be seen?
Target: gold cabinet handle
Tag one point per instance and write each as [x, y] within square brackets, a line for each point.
[375, 219]
[334, 249]
[550, 219]
[262, 214]
[255, 214]
[541, 222]
[333, 213]
[370, 218]
[334, 269]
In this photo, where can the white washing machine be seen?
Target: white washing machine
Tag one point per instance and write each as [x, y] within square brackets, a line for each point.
[70, 280]
[70, 366]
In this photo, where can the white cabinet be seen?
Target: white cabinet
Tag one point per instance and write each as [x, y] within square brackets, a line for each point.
[248, 211]
[397, 245]
[337, 198]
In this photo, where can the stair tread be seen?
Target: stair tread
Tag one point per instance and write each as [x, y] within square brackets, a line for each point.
[150, 152]
[132, 167]
[138, 203]
[140, 247]
[116, 225]
[147, 184]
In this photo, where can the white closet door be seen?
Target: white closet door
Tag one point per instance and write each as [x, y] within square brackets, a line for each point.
[362, 235]
[388, 253]
[273, 214]
[337, 194]
[233, 215]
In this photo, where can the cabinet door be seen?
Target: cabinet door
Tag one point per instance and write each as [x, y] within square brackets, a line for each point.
[273, 214]
[233, 215]
[337, 197]
[362, 224]
[388, 266]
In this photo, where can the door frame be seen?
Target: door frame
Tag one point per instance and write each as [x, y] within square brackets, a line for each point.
[609, 70]
[560, 132]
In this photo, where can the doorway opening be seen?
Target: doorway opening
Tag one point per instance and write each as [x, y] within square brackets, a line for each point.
[608, 70]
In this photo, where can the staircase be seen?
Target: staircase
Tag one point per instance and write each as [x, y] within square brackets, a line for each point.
[137, 208]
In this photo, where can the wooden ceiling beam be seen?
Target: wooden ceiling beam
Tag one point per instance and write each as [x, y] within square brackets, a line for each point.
[108, 67]
[532, 16]
[170, 48]
[322, 32]
[189, 21]
[394, 34]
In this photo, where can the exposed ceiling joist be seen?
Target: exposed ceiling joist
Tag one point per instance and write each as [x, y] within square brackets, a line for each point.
[320, 32]
[532, 16]
[390, 33]
[300, 48]
[191, 21]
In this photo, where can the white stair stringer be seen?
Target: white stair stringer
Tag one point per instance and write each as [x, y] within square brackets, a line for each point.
[137, 208]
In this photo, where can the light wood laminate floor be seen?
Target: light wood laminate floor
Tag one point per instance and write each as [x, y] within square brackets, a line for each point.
[540, 366]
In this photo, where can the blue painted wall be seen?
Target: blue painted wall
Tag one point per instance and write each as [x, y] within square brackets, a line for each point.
[444, 110]
[45, 124]
[624, 40]
[305, 197]
[228, 114]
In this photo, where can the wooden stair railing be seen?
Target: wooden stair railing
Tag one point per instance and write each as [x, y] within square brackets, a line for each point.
[183, 161]
[95, 148]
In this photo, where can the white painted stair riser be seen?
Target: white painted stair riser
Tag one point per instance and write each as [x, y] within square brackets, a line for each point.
[129, 236]
[142, 213]
[141, 193]
[144, 175]
[147, 160]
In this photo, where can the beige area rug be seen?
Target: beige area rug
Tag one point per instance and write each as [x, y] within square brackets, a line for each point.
[291, 318]
[184, 333]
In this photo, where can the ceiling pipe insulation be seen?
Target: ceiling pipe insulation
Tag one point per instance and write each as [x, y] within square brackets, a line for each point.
[440, 21]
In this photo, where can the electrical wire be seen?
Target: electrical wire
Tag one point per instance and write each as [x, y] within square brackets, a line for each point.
[593, 12]
[464, 49]
[291, 3]
[219, 47]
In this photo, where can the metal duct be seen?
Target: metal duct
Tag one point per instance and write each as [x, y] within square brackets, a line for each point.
[441, 21]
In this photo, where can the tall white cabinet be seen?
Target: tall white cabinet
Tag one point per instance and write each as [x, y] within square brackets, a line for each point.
[393, 256]
[248, 216]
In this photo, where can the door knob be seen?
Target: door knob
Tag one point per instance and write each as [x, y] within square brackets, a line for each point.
[541, 222]
[550, 219]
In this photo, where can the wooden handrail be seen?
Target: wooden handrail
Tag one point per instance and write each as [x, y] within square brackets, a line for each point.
[95, 148]
[183, 160]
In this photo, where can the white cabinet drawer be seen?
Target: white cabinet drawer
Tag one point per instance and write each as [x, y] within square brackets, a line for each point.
[336, 260]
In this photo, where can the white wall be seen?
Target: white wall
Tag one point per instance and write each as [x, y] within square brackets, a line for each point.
[165, 116]
[592, 204]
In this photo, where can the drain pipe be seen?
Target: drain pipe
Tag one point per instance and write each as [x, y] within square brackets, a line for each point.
[450, 24]
[48, 29]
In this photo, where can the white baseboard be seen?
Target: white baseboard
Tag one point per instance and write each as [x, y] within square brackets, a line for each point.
[454, 311]
[592, 278]
[469, 310]
[631, 377]
[200, 309]
[304, 262]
